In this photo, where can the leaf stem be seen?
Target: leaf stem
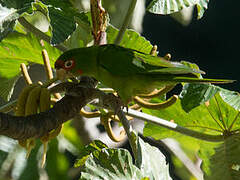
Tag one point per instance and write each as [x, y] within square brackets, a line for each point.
[233, 122]
[173, 126]
[205, 127]
[221, 115]
[214, 119]
[131, 134]
[125, 22]
[39, 33]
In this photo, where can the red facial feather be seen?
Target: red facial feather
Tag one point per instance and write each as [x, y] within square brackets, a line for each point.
[59, 64]
[80, 71]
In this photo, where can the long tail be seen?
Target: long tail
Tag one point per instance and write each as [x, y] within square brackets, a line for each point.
[192, 79]
[188, 79]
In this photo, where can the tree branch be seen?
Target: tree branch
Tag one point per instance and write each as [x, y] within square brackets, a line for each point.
[77, 96]
[173, 126]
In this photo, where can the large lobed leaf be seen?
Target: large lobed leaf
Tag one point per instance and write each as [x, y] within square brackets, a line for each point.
[19, 48]
[225, 163]
[171, 6]
[11, 10]
[152, 162]
[193, 95]
[101, 162]
[219, 115]
[60, 13]
[131, 39]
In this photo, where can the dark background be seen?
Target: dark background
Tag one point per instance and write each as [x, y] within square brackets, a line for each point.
[211, 42]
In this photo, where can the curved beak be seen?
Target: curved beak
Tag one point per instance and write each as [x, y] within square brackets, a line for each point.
[61, 74]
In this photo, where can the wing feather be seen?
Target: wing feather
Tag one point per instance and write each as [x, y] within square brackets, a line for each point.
[125, 62]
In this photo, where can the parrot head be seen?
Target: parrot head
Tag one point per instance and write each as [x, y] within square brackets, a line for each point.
[69, 65]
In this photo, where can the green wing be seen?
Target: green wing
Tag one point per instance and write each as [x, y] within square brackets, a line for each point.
[125, 62]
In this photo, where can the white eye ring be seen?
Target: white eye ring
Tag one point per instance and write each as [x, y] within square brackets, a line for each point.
[68, 64]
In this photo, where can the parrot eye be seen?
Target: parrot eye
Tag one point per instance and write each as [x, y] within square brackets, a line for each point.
[69, 64]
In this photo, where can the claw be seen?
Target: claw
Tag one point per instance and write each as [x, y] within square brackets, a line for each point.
[106, 121]
[162, 105]
[157, 93]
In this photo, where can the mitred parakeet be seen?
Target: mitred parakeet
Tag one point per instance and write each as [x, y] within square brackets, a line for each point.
[127, 71]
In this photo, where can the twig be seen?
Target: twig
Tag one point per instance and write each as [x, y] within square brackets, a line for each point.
[76, 97]
[99, 22]
[25, 73]
[173, 126]
[48, 70]
[39, 33]
[131, 134]
[9, 106]
[47, 65]
[126, 22]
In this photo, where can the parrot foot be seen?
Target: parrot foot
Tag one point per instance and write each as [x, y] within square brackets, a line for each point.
[113, 102]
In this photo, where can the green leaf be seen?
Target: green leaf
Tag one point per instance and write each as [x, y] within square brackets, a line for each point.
[71, 134]
[131, 39]
[63, 25]
[102, 162]
[58, 160]
[193, 66]
[198, 119]
[61, 15]
[30, 171]
[171, 6]
[152, 162]
[82, 36]
[214, 118]
[110, 164]
[18, 48]
[232, 98]
[225, 163]
[193, 95]
[202, 5]
[84, 155]
[9, 12]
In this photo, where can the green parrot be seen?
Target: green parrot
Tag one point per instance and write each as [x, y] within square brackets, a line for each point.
[129, 72]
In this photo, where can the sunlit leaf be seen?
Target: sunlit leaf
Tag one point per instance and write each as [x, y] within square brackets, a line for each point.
[10, 10]
[62, 25]
[102, 162]
[212, 118]
[131, 39]
[202, 5]
[171, 6]
[82, 36]
[193, 95]
[225, 163]
[152, 162]
[61, 15]
[111, 164]
[232, 98]
[13, 53]
[90, 148]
